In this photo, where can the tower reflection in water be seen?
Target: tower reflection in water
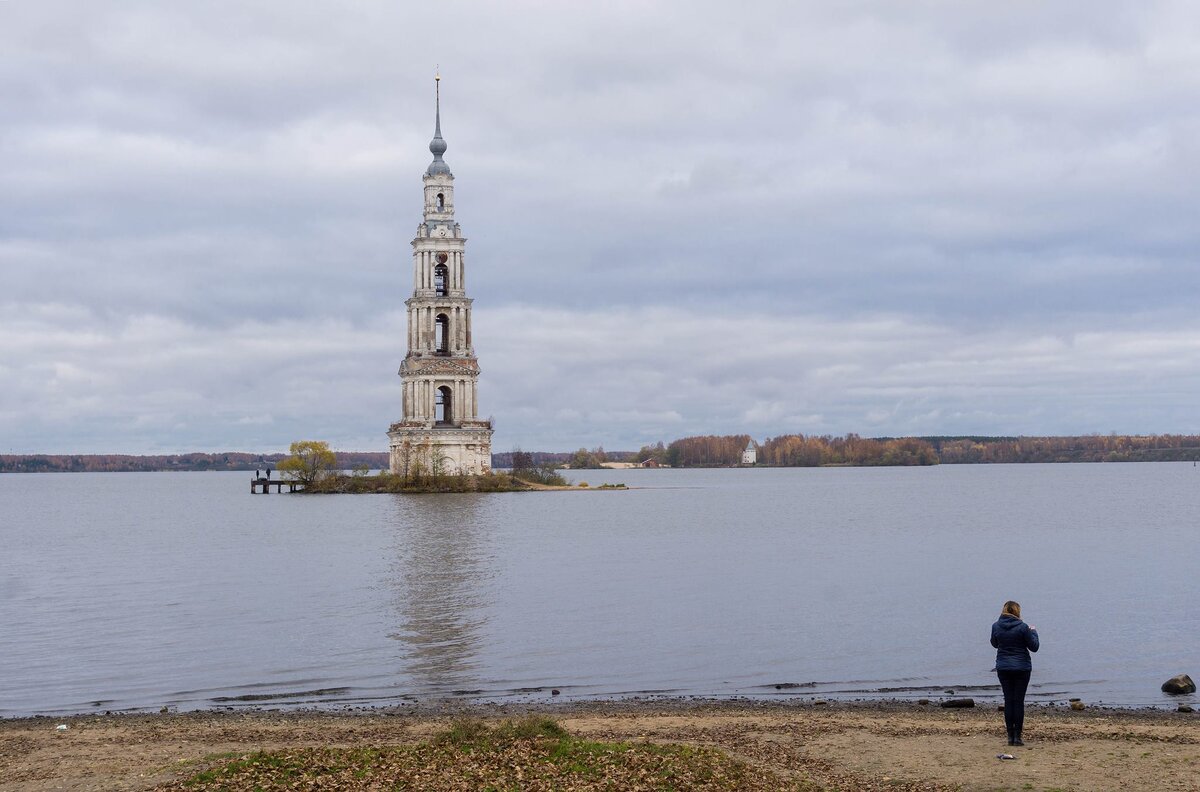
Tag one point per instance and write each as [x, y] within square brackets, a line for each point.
[442, 574]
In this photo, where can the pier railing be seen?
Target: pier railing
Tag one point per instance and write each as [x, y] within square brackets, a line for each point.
[262, 485]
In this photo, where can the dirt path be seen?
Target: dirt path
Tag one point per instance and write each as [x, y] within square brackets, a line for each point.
[848, 747]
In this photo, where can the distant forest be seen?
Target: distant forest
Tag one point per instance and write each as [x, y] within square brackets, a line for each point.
[814, 451]
[126, 463]
[704, 451]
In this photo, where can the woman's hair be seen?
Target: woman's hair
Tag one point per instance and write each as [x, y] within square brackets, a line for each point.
[1011, 609]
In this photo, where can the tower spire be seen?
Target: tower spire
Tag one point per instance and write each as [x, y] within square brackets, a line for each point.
[437, 146]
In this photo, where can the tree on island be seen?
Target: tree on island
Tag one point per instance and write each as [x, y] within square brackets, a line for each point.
[584, 459]
[521, 460]
[524, 468]
[310, 461]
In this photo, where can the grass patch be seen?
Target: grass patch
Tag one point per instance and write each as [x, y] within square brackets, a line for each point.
[530, 727]
[278, 767]
[533, 753]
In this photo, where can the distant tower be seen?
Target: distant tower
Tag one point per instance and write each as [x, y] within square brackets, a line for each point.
[440, 430]
[750, 455]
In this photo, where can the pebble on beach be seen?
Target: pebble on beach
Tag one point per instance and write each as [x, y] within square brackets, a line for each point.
[960, 703]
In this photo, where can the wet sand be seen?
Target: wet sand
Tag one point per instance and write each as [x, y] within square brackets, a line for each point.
[850, 746]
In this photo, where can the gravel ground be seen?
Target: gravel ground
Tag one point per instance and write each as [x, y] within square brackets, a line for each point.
[847, 746]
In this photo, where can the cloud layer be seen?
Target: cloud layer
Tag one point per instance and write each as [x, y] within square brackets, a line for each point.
[781, 217]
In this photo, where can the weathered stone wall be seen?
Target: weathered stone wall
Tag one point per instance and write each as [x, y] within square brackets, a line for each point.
[445, 450]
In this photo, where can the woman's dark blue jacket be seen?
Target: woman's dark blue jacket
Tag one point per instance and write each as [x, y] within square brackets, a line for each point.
[1013, 641]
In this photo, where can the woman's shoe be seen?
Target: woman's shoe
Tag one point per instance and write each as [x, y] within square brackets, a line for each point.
[1016, 741]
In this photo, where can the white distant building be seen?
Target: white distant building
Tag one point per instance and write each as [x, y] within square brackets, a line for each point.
[750, 455]
[440, 431]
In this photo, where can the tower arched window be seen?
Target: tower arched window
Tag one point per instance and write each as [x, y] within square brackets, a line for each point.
[442, 335]
[444, 405]
[440, 274]
[441, 202]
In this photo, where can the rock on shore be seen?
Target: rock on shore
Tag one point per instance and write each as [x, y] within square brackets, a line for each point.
[1179, 684]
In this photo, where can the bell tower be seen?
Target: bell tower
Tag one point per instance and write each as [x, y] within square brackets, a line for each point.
[440, 431]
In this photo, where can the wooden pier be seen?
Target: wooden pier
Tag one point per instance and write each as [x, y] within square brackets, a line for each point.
[263, 486]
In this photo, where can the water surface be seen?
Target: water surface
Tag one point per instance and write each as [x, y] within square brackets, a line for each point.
[128, 590]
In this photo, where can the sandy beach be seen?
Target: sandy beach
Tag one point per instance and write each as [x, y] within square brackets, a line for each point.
[846, 746]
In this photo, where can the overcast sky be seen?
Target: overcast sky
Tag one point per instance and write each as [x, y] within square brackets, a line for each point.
[683, 218]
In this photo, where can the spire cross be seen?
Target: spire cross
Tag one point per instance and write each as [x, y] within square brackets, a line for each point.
[437, 92]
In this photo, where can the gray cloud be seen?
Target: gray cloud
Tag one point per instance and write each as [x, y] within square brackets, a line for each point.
[683, 218]
[618, 377]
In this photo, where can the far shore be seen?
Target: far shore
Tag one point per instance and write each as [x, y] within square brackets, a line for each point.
[838, 745]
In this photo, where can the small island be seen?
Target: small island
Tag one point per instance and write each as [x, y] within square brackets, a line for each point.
[312, 468]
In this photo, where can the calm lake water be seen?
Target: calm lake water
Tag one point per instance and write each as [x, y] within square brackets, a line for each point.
[125, 591]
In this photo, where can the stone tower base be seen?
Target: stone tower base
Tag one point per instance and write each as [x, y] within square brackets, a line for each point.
[445, 450]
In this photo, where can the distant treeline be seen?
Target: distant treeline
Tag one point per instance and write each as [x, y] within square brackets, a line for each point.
[126, 463]
[795, 451]
[792, 450]
[504, 459]
[233, 460]
[814, 451]
[1087, 448]
[576, 459]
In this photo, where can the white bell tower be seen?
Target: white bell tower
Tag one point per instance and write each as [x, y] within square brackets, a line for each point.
[440, 431]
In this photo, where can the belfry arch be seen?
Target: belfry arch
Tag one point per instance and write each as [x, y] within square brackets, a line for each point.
[441, 335]
[444, 405]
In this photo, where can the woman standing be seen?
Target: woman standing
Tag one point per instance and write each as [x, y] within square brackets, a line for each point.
[1014, 640]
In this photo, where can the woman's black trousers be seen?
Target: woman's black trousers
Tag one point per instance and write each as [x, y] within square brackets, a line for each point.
[1014, 685]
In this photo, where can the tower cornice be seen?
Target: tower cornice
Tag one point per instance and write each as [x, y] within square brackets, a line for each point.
[435, 242]
[423, 298]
